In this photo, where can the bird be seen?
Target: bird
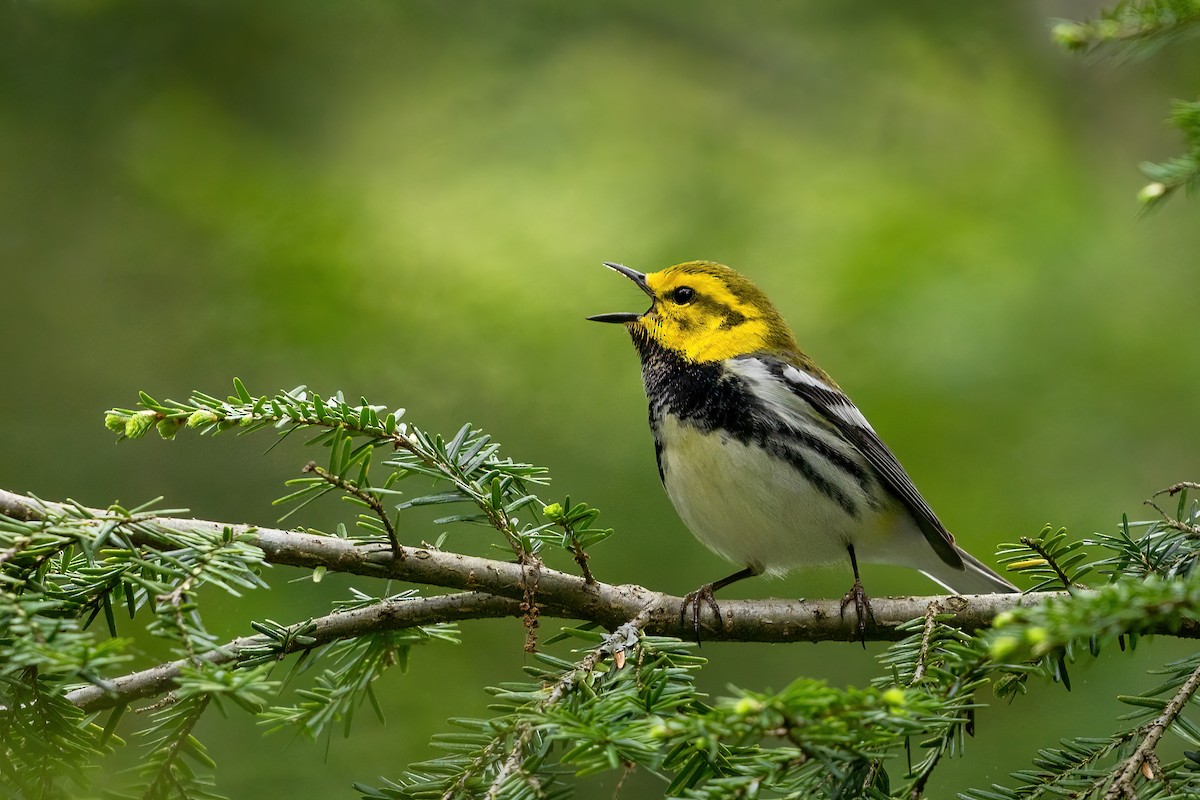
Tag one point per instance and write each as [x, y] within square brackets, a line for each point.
[766, 460]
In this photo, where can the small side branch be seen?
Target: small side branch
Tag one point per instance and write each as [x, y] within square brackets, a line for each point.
[1037, 547]
[1169, 521]
[931, 615]
[386, 615]
[1144, 759]
[581, 558]
[613, 646]
[373, 502]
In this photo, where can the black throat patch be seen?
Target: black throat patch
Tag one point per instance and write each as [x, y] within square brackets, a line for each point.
[701, 394]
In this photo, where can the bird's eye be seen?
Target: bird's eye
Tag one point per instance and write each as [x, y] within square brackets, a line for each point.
[683, 295]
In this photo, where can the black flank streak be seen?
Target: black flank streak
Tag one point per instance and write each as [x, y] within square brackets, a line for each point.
[825, 397]
[658, 451]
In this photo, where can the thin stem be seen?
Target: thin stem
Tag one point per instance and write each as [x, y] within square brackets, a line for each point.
[18, 545]
[387, 615]
[513, 762]
[531, 571]
[931, 614]
[1122, 785]
[497, 517]
[157, 786]
[398, 439]
[638, 622]
[1169, 521]
[1036, 546]
[560, 690]
[372, 501]
[581, 558]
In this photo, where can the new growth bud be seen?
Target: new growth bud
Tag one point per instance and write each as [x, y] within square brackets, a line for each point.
[139, 423]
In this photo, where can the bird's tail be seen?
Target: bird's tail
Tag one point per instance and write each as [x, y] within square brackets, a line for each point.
[975, 577]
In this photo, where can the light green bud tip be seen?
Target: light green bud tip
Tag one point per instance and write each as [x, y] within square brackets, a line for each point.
[200, 417]
[1151, 192]
[114, 422]
[139, 423]
[1070, 35]
[1036, 638]
[553, 512]
[1003, 618]
[1003, 646]
[747, 706]
[895, 697]
[167, 428]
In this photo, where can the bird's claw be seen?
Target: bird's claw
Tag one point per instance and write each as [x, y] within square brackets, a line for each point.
[702, 595]
[862, 609]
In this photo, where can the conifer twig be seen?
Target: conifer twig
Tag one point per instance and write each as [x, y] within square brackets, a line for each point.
[1038, 548]
[931, 615]
[371, 500]
[385, 615]
[561, 687]
[1144, 754]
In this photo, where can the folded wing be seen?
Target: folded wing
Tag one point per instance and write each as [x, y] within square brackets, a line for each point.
[831, 404]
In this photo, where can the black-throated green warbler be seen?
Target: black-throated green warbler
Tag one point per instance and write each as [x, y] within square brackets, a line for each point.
[767, 462]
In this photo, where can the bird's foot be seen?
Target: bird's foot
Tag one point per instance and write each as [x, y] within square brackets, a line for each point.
[862, 609]
[703, 595]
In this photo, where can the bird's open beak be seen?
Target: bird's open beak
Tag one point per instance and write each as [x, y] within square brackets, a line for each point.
[637, 277]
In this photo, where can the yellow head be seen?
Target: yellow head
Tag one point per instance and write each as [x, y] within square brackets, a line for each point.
[705, 311]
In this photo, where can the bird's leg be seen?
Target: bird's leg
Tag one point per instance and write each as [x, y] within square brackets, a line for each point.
[705, 595]
[858, 596]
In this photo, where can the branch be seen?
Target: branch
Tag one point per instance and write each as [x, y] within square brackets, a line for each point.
[1143, 758]
[560, 594]
[1041, 550]
[386, 615]
[931, 618]
[383, 616]
[627, 633]
[369, 499]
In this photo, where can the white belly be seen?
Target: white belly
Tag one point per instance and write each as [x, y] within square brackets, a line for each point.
[756, 511]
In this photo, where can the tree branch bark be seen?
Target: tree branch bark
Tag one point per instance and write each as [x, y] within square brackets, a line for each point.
[387, 615]
[564, 595]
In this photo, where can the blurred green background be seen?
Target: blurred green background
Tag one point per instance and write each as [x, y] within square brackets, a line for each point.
[411, 200]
